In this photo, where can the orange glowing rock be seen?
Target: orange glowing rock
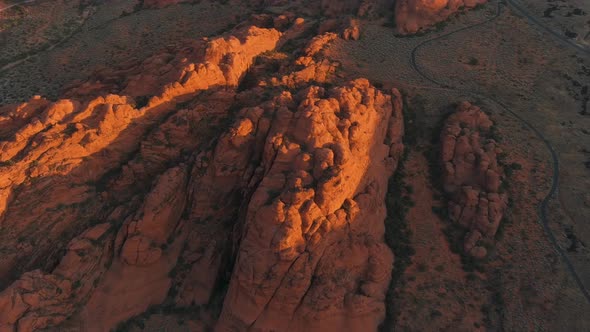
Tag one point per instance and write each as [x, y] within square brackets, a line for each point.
[148, 183]
[412, 16]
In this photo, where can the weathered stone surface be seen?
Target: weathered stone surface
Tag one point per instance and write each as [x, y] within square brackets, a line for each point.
[65, 164]
[312, 255]
[472, 175]
[157, 181]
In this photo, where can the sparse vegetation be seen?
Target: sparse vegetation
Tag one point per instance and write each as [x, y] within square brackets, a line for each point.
[509, 169]
[411, 108]
[570, 34]
[435, 313]
[456, 234]
[495, 134]
[494, 309]
[397, 237]
[15, 17]
[6, 163]
[141, 101]
[397, 232]
[478, 7]
[139, 321]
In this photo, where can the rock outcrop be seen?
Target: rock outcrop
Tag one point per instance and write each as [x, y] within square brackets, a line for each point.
[93, 157]
[472, 175]
[412, 16]
[311, 254]
[156, 182]
[38, 300]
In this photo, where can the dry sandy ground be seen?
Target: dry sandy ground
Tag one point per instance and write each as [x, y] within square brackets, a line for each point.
[545, 84]
[435, 287]
[103, 38]
[27, 28]
[571, 18]
[542, 81]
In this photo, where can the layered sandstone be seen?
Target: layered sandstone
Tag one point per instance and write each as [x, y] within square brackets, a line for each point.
[74, 162]
[155, 182]
[312, 255]
[472, 175]
[39, 299]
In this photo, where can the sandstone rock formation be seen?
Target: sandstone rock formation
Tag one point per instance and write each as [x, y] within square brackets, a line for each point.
[312, 255]
[158, 181]
[352, 31]
[412, 16]
[38, 300]
[70, 163]
[472, 175]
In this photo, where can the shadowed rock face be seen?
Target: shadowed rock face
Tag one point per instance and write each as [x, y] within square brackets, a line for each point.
[412, 16]
[472, 175]
[158, 182]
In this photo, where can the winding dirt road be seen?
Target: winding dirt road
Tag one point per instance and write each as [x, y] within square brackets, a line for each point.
[519, 7]
[542, 209]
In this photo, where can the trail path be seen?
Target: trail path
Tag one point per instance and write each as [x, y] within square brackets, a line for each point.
[554, 158]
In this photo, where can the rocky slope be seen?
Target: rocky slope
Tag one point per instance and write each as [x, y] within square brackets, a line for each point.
[224, 161]
[311, 254]
[473, 176]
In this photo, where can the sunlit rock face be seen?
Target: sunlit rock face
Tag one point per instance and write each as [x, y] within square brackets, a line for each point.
[312, 256]
[223, 159]
[118, 151]
[412, 16]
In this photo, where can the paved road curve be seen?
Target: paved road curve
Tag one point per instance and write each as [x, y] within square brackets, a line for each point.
[542, 209]
[568, 42]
